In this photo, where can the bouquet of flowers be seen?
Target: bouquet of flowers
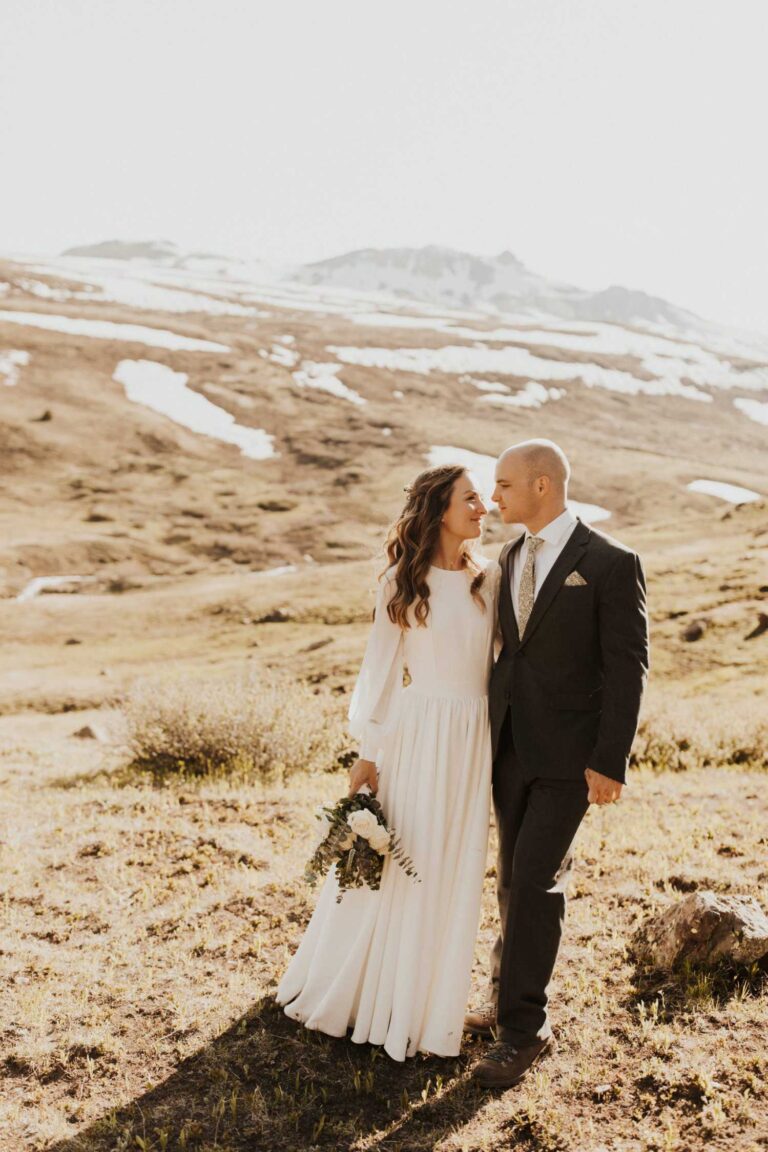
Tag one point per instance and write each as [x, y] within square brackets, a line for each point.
[354, 836]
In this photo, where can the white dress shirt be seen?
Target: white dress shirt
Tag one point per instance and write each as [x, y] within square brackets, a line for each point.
[555, 536]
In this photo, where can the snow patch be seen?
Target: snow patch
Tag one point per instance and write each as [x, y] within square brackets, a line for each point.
[589, 513]
[755, 409]
[532, 396]
[730, 492]
[133, 285]
[485, 385]
[283, 570]
[455, 359]
[323, 378]
[156, 298]
[286, 357]
[391, 320]
[10, 362]
[107, 330]
[682, 374]
[44, 583]
[482, 467]
[165, 391]
[45, 291]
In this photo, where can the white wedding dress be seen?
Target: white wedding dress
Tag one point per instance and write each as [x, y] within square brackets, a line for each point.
[395, 965]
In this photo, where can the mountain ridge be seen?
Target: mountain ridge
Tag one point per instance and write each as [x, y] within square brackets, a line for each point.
[440, 275]
[500, 284]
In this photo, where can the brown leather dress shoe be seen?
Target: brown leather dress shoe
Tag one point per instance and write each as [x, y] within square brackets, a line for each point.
[481, 1022]
[504, 1065]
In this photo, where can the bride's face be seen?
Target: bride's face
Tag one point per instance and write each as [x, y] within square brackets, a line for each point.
[464, 515]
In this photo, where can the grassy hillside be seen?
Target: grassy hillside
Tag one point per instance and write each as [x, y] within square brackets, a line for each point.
[146, 920]
[106, 487]
[146, 927]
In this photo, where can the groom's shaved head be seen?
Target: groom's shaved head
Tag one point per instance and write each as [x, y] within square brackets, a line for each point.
[541, 458]
[532, 483]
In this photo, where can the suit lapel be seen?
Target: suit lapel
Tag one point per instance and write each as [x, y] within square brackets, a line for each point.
[564, 564]
[506, 608]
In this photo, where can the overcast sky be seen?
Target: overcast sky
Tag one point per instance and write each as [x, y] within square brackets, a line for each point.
[602, 141]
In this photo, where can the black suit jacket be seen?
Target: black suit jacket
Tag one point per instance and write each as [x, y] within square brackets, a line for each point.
[575, 680]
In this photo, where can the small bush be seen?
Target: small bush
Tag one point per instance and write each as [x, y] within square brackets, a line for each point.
[686, 736]
[254, 725]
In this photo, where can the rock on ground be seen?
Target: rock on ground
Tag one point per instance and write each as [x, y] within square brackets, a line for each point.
[704, 928]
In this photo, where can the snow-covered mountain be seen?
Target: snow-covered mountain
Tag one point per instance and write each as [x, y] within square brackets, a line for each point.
[161, 252]
[497, 284]
[158, 250]
[441, 277]
[218, 396]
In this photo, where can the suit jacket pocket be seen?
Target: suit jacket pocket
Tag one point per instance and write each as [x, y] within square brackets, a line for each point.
[577, 701]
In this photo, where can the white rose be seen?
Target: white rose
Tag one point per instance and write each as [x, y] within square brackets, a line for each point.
[362, 822]
[379, 840]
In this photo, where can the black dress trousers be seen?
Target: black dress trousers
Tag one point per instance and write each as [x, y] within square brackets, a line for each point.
[537, 819]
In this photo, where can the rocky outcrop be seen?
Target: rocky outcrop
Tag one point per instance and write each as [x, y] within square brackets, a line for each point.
[704, 928]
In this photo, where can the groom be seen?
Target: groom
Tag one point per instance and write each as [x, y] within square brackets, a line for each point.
[564, 701]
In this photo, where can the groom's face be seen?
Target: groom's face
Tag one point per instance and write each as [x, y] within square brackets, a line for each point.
[515, 493]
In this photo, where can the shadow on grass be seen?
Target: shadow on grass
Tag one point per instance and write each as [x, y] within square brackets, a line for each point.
[269, 1084]
[695, 987]
[140, 774]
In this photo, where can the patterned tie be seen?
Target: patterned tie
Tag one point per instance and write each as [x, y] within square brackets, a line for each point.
[527, 584]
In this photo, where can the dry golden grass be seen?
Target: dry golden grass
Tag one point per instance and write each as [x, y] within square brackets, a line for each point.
[147, 916]
[145, 926]
[257, 725]
[678, 736]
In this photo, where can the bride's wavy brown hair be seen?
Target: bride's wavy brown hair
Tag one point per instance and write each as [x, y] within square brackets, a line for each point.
[412, 541]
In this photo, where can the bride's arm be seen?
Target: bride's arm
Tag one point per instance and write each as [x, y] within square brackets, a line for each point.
[377, 689]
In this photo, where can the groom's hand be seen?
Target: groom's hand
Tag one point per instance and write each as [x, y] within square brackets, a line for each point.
[363, 772]
[602, 789]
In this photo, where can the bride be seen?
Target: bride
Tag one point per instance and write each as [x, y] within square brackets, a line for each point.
[395, 964]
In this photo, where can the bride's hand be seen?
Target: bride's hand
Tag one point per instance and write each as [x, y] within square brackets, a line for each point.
[363, 772]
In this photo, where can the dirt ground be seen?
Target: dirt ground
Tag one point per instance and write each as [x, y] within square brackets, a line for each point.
[144, 923]
[145, 927]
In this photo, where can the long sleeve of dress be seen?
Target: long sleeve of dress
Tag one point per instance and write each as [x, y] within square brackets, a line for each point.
[379, 684]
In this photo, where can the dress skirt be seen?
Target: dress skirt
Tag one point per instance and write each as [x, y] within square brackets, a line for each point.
[395, 965]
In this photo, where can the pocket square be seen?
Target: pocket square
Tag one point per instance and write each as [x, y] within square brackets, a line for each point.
[575, 580]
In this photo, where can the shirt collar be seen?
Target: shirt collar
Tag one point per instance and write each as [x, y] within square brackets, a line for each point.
[557, 529]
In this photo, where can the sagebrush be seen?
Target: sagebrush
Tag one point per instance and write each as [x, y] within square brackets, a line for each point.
[257, 725]
[681, 736]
